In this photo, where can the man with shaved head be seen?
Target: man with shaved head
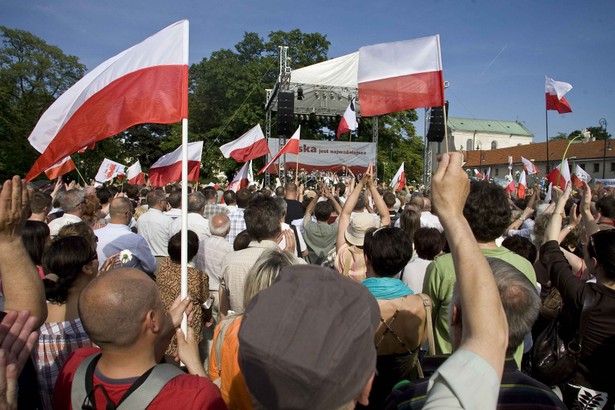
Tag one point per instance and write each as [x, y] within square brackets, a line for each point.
[116, 236]
[123, 315]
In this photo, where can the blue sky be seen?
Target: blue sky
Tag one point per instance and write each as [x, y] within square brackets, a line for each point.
[495, 53]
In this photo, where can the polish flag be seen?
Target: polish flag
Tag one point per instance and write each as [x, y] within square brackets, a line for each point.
[134, 174]
[148, 83]
[554, 92]
[291, 147]
[109, 170]
[478, 174]
[579, 176]
[560, 175]
[63, 167]
[529, 166]
[399, 180]
[242, 178]
[400, 76]
[250, 145]
[488, 174]
[549, 193]
[510, 188]
[168, 168]
[522, 185]
[349, 120]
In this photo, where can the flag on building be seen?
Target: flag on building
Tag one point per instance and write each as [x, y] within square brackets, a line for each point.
[554, 93]
[108, 170]
[63, 167]
[579, 176]
[168, 168]
[560, 175]
[291, 147]
[522, 185]
[250, 145]
[242, 178]
[529, 166]
[399, 180]
[348, 121]
[134, 174]
[151, 81]
[400, 76]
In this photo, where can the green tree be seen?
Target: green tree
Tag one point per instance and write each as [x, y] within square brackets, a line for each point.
[597, 133]
[32, 75]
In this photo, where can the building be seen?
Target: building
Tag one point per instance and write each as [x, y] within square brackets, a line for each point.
[596, 157]
[469, 134]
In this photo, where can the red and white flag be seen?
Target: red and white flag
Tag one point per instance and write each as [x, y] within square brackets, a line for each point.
[488, 174]
[348, 121]
[250, 145]
[560, 175]
[399, 179]
[478, 174]
[522, 185]
[579, 176]
[148, 83]
[134, 174]
[63, 167]
[400, 76]
[529, 166]
[109, 170]
[549, 193]
[168, 168]
[242, 178]
[291, 147]
[554, 93]
[510, 188]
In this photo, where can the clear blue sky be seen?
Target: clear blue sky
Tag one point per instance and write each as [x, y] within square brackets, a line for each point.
[495, 53]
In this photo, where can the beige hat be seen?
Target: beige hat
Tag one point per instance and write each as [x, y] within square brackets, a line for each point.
[358, 225]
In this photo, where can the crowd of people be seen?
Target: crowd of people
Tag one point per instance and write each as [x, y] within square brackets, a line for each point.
[334, 294]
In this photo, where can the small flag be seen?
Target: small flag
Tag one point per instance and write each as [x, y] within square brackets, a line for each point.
[108, 170]
[168, 168]
[399, 180]
[548, 194]
[291, 147]
[134, 174]
[529, 166]
[250, 145]
[63, 167]
[478, 174]
[241, 179]
[554, 93]
[560, 175]
[348, 121]
[579, 176]
[522, 185]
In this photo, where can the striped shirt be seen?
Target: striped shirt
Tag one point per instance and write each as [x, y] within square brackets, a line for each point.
[56, 342]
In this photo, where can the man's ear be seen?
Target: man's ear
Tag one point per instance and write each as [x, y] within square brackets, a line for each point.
[364, 396]
[153, 321]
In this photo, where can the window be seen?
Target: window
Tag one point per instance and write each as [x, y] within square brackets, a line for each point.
[497, 172]
[582, 166]
[469, 146]
[494, 145]
[596, 167]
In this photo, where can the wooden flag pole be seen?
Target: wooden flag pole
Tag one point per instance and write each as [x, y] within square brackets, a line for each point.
[445, 128]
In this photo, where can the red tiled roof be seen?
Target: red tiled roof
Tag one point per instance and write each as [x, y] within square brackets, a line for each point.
[538, 152]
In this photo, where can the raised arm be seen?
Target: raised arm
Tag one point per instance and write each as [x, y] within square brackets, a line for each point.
[381, 207]
[23, 288]
[485, 330]
[591, 227]
[344, 219]
[326, 192]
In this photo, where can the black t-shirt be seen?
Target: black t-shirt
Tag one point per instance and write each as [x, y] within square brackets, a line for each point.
[294, 210]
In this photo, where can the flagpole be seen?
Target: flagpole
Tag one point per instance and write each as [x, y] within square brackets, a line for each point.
[547, 131]
[445, 129]
[184, 217]
[79, 173]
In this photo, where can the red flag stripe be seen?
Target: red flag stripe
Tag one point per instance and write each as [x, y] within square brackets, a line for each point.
[161, 176]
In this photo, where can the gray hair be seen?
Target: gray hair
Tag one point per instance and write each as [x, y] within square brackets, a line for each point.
[196, 202]
[71, 200]
[219, 224]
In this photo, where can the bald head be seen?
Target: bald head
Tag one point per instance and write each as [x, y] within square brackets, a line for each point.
[120, 210]
[112, 307]
[219, 225]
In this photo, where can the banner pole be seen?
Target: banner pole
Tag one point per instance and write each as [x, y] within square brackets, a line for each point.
[184, 216]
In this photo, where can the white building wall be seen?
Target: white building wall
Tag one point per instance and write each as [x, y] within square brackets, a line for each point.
[485, 141]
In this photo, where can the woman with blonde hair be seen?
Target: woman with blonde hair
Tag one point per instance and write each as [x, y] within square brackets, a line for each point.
[223, 359]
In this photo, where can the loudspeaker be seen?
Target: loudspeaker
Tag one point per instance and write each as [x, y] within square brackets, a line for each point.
[435, 129]
[286, 110]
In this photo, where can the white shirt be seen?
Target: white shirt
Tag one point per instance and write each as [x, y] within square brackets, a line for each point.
[429, 220]
[115, 238]
[155, 227]
[196, 223]
[59, 223]
[173, 213]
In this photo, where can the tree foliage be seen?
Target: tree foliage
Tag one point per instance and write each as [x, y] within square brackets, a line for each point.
[32, 75]
[597, 133]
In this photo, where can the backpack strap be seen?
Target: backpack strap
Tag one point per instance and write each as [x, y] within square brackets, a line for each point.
[139, 398]
[429, 324]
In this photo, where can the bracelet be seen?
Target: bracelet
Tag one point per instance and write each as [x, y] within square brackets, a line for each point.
[522, 219]
[570, 228]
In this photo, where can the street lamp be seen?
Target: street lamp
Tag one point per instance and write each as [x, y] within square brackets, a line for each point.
[602, 123]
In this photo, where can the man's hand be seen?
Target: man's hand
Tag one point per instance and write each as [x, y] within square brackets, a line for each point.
[188, 352]
[18, 334]
[586, 199]
[177, 310]
[450, 187]
[14, 208]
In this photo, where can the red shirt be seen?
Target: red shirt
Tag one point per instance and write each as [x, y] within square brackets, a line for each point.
[182, 392]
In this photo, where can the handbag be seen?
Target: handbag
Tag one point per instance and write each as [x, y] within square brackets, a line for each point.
[554, 360]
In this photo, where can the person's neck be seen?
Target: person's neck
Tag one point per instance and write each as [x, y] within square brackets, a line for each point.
[291, 197]
[487, 245]
[127, 363]
[42, 217]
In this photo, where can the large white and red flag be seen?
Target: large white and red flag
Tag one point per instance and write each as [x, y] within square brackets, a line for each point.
[579, 176]
[522, 185]
[554, 93]
[108, 170]
[148, 83]
[510, 188]
[529, 166]
[560, 175]
[250, 145]
[134, 174]
[63, 167]
[242, 178]
[399, 179]
[400, 76]
[291, 147]
[348, 121]
[168, 168]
